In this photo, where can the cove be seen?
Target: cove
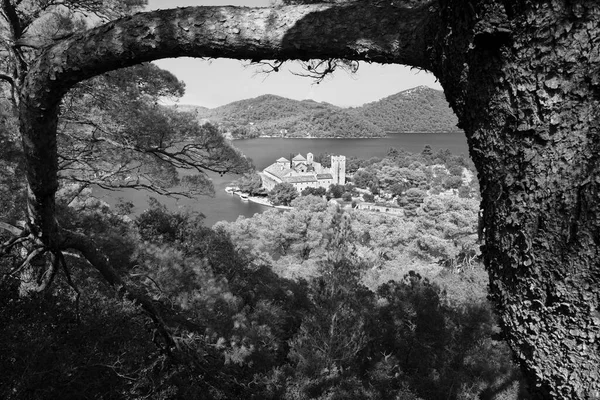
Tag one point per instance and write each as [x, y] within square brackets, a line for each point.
[264, 151]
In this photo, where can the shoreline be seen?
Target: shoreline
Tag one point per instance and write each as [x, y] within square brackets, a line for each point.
[234, 191]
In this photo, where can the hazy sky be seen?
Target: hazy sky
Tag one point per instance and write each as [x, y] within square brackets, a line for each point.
[221, 81]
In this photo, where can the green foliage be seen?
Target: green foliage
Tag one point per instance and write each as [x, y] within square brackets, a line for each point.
[246, 312]
[320, 191]
[453, 182]
[455, 168]
[420, 109]
[270, 115]
[364, 178]
[439, 345]
[251, 183]
[246, 332]
[429, 229]
[158, 225]
[332, 341]
[368, 197]
[113, 135]
[398, 188]
[310, 203]
[49, 353]
[283, 194]
[334, 333]
[439, 230]
[412, 198]
[336, 191]
[405, 179]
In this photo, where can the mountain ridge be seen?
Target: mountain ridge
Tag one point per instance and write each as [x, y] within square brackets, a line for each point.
[419, 109]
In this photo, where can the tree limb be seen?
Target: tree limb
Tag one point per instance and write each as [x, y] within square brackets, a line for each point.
[14, 21]
[15, 230]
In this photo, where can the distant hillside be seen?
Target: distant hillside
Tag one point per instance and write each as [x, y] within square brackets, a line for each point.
[416, 110]
[270, 115]
[420, 109]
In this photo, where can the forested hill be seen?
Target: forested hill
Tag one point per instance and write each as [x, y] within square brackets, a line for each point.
[271, 115]
[415, 110]
[419, 109]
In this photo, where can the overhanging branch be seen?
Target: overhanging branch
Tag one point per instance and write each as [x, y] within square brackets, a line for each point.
[353, 31]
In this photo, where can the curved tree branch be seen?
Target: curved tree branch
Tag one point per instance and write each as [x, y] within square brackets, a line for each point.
[14, 230]
[12, 17]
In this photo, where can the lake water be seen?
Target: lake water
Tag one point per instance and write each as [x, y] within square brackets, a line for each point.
[264, 151]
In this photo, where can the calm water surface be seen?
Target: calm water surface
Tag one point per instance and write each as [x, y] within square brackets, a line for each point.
[265, 151]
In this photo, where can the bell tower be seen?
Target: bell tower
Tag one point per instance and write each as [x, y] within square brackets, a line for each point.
[338, 169]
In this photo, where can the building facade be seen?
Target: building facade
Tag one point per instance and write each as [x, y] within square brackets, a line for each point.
[304, 172]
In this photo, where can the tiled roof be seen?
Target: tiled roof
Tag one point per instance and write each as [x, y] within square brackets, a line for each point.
[324, 176]
[283, 159]
[276, 170]
[300, 179]
[299, 157]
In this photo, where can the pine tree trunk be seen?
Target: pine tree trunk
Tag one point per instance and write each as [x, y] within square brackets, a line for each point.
[528, 95]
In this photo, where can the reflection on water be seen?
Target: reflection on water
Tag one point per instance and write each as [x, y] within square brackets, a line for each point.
[264, 151]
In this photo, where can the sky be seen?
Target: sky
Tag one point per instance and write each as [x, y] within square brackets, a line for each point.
[217, 82]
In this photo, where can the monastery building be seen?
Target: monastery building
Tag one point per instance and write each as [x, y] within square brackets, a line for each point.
[303, 172]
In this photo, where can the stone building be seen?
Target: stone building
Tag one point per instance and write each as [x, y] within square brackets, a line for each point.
[303, 172]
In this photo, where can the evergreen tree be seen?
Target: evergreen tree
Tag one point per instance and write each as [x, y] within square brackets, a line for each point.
[283, 194]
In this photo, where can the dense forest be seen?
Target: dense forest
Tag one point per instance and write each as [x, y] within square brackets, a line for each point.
[321, 328]
[420, 109]
[321, 302]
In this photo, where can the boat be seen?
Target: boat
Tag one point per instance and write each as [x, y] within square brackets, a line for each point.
[244, 196]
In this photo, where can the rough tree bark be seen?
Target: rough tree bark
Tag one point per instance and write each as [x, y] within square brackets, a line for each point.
[523, 78]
